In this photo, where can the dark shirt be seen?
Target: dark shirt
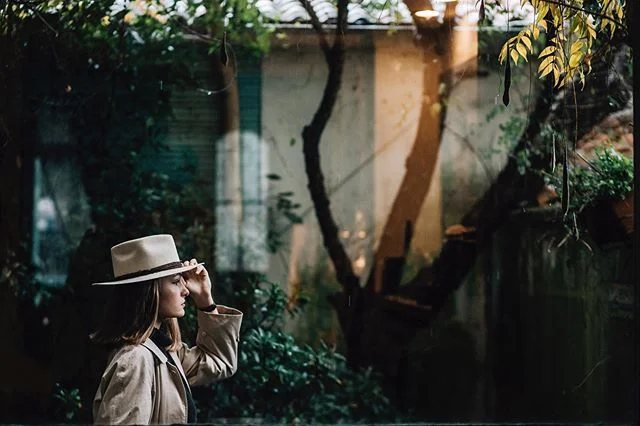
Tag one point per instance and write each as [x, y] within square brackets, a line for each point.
[162, 340]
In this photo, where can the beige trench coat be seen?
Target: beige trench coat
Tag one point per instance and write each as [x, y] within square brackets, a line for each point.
[139, 386]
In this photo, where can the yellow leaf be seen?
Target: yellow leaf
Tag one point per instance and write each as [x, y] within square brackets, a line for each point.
[575, 23]
[536, 32]
[527, 42]
[560, 84]
[546, 71]
[576, 46]
[546, 62]
[544, 24]
[514, 56]
[556, 76]
[547, 51]
[569, 75]
[522, 50]
[541, 12]
[503, 52]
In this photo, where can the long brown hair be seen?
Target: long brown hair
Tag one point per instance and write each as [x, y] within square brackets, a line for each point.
[130, 313]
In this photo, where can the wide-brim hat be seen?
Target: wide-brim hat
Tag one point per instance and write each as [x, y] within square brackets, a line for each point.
[145, 259]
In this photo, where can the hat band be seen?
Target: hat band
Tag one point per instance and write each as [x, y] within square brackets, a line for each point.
[160, 268]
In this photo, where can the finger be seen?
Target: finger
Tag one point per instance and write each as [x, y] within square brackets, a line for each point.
[194, 262]
[199, 269]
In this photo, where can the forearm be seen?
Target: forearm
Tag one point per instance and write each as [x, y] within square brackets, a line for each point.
[203, 300]
[215, 355]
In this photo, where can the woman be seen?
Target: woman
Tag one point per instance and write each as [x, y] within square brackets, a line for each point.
[149, 373]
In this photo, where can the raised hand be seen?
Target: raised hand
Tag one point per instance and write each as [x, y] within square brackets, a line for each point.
[199, 284]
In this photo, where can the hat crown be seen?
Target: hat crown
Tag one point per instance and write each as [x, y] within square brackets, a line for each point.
[142, 254]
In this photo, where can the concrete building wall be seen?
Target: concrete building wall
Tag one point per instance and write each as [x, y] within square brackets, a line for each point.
[294, 76]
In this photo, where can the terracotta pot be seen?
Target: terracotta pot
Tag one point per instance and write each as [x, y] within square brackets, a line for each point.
[623, 210]
[610, 221]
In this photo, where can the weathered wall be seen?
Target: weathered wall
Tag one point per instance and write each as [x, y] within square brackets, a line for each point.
[561, 323]
[471, 150]
[294, 77]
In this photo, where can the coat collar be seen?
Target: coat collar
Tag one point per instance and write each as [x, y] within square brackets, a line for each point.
[149, 344]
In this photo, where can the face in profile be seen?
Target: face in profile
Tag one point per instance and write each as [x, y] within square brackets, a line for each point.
[173, 293]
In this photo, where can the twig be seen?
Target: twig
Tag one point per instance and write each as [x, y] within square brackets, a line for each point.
[231, 81]
[579, 9]
[605, 359]
[188, 29]
[39, 16]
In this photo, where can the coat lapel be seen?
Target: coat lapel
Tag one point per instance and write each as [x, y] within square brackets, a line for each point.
[179, 365]
[155, 350]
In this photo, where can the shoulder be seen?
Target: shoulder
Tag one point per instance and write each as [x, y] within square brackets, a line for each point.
[132, 357]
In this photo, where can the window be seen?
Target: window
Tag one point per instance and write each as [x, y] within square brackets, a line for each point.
[241, 212]
[60, 207]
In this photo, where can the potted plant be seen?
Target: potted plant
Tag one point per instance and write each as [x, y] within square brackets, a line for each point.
[600, 193]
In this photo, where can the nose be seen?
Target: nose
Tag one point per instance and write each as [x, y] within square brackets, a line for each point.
[185, 290]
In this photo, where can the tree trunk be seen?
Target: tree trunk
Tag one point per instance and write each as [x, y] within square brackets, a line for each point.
[349, 307]
[420, 163]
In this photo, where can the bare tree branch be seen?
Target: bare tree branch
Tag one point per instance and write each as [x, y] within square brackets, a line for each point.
[317, 26]
[343, 14]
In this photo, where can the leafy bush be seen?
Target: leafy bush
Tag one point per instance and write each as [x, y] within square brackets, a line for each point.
[68, 402]
[279, 380]
[608, 176]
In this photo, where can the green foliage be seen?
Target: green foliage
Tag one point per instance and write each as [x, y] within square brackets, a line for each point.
[143, 22]
[282, 211]
[609, 176]
[68, 403]
[318, 324]
[19, 274]
[279, 380]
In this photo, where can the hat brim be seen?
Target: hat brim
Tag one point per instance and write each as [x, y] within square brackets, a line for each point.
[151, 276]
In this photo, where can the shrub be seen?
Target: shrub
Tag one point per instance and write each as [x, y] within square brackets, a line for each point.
[279, 380]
